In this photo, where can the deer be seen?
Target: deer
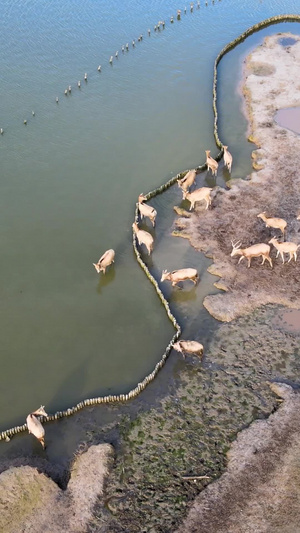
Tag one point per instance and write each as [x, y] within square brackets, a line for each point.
[105, 260]
[180, 275]
[34, 425]
[197, 196]
[146, 210]
[188, 347]
[285, 248]
[187, 181]
[227, 158]
[143, 237]
[211, 163]
[256, 250]
[277, 223]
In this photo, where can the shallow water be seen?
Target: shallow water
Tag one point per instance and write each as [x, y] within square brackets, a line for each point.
[71, 176]
[289, 118]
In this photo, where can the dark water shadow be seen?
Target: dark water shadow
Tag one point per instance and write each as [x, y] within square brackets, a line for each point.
[107, 278]
[287, 41]
[147, 227]
[181, 295]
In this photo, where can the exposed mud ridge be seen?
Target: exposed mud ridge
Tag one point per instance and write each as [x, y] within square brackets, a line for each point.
[270, 82]
[186, 436]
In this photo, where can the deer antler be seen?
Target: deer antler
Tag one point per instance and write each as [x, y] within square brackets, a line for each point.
[236, 245]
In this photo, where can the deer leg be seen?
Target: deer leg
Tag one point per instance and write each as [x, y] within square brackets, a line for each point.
[277, 253]
[282, 257]
[291, 256]
[264, 258]
[270, 261]
[249, 262]
[295, 256]
[242, 257]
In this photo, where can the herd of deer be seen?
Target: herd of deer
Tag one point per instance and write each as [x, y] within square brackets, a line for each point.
[145, 210]
[144, 237]
[199, 195]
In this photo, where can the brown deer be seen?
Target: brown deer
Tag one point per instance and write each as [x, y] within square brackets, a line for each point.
[256, 250]
[211, 163]
[180, 275]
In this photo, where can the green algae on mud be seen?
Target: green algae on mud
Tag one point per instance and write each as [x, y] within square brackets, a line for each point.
[190, 431]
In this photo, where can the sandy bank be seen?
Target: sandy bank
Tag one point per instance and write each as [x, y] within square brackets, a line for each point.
[32, 502]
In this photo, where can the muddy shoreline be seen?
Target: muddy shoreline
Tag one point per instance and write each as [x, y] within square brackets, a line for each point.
[270, 82]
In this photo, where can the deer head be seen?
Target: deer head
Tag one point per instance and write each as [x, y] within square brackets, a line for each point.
[236, 250]
[164, 275]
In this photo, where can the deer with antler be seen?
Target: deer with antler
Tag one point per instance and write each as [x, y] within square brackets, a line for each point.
[256, 250]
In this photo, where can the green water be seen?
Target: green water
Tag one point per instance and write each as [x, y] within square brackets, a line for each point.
[70, 179]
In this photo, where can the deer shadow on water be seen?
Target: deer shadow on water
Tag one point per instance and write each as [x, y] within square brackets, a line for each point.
[180, 294]
[107, 278]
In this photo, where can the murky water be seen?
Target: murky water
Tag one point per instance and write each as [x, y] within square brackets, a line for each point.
[289, 118]
[71, 176]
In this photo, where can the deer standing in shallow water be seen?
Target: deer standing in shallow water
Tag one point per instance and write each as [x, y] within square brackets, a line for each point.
[227, 158]
[143, 237]
[34, 425]
[180, 275]
[187, 181]
[105, 260]
[146, 210]
[211, 163]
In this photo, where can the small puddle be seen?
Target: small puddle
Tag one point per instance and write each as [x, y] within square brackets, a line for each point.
[289, 118]
[287, 41]
[288, 320]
